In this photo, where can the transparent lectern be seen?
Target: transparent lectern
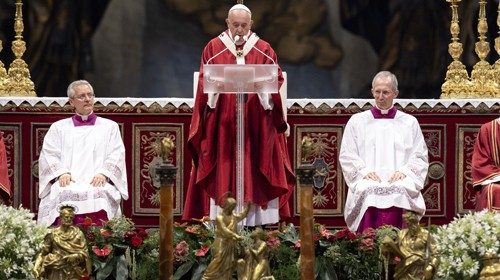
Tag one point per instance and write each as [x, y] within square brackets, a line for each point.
[240, 79]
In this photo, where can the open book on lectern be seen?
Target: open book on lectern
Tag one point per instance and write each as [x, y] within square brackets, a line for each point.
[240, 78]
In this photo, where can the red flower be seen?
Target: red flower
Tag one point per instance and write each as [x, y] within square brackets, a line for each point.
[105, 233]
[136, 241]
[142, 232]
[129, 234]
[202, 251]
[192, 229]
[351, 235]
[325, 232]
[345, 233]
[273, 242]
[369, 233]
[176, 224]
[84, 277]
[181, 249]
[87, 222]
[90, 236]
[297, 244]
[367, 244]
[102, 252]
[342, 233]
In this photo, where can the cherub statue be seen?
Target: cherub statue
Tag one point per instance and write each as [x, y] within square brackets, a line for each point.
[415, 247]
[224, 248]
[255, 266]
[64, 254]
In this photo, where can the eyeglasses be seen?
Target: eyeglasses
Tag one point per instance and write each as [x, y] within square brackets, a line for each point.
[382, 92]
[82, 97]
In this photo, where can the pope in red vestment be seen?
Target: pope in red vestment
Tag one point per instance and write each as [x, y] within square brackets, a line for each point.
[212, 135]
[5, 190]
[486, 166]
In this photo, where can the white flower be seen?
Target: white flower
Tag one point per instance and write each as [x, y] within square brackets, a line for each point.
[462, 243]
[20, 240]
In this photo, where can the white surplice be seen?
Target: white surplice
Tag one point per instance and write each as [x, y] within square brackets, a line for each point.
[83, 151]
[383, 146]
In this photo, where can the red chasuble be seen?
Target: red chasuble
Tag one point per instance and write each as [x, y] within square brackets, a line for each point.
[212, 142]
[5, 190]
[486, 166]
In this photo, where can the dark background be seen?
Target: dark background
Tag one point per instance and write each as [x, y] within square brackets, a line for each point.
[329, 48]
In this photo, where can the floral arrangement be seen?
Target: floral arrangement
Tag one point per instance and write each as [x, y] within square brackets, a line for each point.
[192, 248]
[113, 247]
[340, 254]
[462, 244]
[20, 241]
[119, 250]
[343, 254]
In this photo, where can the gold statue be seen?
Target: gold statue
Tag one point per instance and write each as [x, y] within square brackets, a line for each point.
[167, 146]
[255, 266]
[3, 75]
[224, 248]
[415, 247]
[64, 254]
[307, 148]
[19, 79]
[491, 268]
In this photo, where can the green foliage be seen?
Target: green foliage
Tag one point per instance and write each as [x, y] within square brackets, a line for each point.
[283, 262]
[192, 249]
[353, 256]
[324, 269]
[114, 247]
[340, 254]
[147, 257]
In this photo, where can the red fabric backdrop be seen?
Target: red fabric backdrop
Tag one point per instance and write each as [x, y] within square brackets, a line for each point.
[449, 132]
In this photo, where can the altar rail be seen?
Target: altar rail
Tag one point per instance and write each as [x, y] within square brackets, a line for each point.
[449, 127]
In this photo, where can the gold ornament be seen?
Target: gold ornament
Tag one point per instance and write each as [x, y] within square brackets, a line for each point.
[3, 76]
[226, 243]
[415, 247]
[64, 254]
[19, 79]
[457, 83]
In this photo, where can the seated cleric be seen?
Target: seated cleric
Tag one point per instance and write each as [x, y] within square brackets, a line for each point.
[82, 163]
[384, 160]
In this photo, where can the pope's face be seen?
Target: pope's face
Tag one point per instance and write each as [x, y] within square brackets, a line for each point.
[384, 93]
[82, 100]
[239, 23]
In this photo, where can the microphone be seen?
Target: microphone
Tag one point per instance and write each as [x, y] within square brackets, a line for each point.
[238, 37]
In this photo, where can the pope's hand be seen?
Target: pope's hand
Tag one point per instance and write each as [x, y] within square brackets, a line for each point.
[99, 180]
